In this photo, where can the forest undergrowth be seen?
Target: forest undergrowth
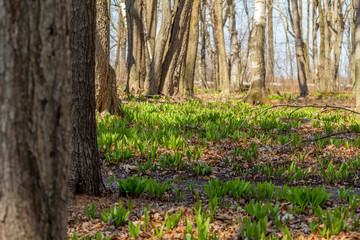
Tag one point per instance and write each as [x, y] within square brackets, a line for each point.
[216, 168]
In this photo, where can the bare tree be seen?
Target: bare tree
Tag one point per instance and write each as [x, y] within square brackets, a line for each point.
[35, 132]
[257, 93]
[271, 57]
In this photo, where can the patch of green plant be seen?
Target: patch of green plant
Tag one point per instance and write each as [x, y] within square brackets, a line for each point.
[134, 230]
[156, 189]
[173, 220]
[134, 186]
[254, 230]
[303, 197]
[239, 189]
[90, 211]
[334, 220]
[117, 216]
[203, 169]
[263, 191]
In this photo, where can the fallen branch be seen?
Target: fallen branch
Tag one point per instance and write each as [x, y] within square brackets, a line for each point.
[323, 137]
[196, 128]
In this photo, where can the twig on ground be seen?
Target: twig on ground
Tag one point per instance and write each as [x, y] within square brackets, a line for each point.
[196, 128]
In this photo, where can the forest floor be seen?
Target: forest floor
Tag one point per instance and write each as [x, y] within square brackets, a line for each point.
[217, 168]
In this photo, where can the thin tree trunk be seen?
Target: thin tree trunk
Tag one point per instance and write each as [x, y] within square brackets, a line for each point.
[85, 177]
[203, 32]
[105, 77]
[234, 51]
[315, 46]
[223, 64]
[257, 93]
[35, 132]
[271, 58]
[123, 40]
[300, 59]
[356, 58]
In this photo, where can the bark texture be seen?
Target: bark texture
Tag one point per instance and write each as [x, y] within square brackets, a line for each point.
[177, 46]
[271, 58]
[357, 58]
[300, 58]
[223, 64]
[136, 46]
[257, 93]
[187, 81]
[235, 49]
[85, 177]
[35, 128]
[105, 77]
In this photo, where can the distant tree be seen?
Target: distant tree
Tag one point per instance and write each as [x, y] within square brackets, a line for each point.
[257, 93]
[219, 31]
[357, 58]
[271, 59]
[85, 177]
[188, 68]
[35, 129]
[234, 51]
[105, 77]
[300, 57]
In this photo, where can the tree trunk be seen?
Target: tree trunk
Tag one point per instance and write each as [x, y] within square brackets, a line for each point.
[271, 58]
[123, 39]
[152, 80]
[300, 59]
[136, 46]
[35, 132]
[257, 93]
[357, 58]
[175, 56]
[105, 77]
[322, 55]
[85, 177]
[315, 46]
[187, 81]
[223, 64]
[203, 32]
[234, 52]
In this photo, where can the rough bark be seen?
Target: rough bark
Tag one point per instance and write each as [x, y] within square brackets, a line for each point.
[123, 75]
[85, 177]
[257, 93]
[175, 55]
[153, 77]
[215, 67]
[357, 58]
[35, 128]
[322, 55]
[203, 32]
[300, 58]
[136, 46]
[315, 46]
[234, 51]
[271, 58]
[105, 77]
[187, 80]
[223, 64]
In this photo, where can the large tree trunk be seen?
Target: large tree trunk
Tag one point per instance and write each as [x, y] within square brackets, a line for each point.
[271, 58]
[105, 77]
[85, 177]
[300, 58]
[187, 80]
[223, 64]
[175, 56]
[257, 93]
[234, 52]
[35, 132]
